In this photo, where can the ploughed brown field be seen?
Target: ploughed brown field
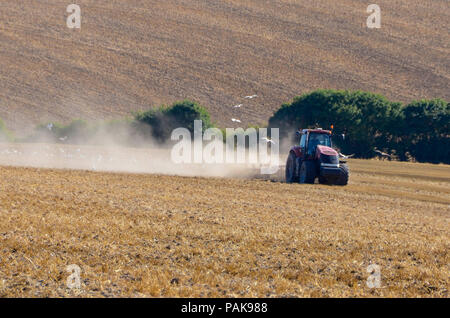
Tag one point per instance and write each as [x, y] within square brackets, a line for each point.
[154, 235]
[130, 55]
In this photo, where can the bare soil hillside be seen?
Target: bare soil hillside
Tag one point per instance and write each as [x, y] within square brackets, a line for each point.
[130, 55]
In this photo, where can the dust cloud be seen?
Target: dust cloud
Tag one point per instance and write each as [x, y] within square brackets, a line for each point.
[108, 158]
[122, 150]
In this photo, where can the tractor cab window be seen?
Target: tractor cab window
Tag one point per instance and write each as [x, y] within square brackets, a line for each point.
[303, 141]
[318, 139]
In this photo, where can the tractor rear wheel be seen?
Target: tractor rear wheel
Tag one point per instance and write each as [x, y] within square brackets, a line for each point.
[343, 178]
[291, 173]
[307, 172]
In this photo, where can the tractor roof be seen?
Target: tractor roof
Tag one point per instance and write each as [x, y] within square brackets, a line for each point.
[316, 131]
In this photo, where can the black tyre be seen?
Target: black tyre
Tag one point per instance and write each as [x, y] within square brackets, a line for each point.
[291, 173]
[323, 180]
[307, 172]
[345, 173]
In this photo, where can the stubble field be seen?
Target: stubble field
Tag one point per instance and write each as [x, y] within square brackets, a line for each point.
[143, 235]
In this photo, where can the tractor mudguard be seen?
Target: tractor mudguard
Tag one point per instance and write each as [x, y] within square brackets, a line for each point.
[297, 151]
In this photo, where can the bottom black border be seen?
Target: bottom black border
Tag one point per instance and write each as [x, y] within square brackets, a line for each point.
[225, 307]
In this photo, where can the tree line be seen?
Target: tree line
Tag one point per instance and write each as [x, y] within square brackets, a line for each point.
[370, 122]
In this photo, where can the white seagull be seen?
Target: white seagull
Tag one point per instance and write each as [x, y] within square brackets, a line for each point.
[63, 138]
[383, 154]
[268, 140]
[235, 120]
[238, 106]
[251, 96]
[345, 156]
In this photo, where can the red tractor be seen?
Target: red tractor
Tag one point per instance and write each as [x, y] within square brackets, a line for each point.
[314, 158]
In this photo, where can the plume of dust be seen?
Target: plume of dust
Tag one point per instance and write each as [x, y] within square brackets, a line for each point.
[104, 153]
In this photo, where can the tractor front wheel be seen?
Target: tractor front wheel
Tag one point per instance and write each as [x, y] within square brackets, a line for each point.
[323, 180]
[343, 178]
[307, 172]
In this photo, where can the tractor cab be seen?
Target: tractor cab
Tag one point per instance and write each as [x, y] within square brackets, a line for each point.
[311, 138]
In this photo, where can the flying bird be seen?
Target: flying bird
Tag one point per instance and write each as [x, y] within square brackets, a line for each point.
[251, 96]
[63, 138]
[382, 154]
[238, 106]
[268, 140]
[345, 156]
[235, 120]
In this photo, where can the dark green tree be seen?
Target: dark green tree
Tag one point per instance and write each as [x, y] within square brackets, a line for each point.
[425, 131]
[363, 117]
[164, 120]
